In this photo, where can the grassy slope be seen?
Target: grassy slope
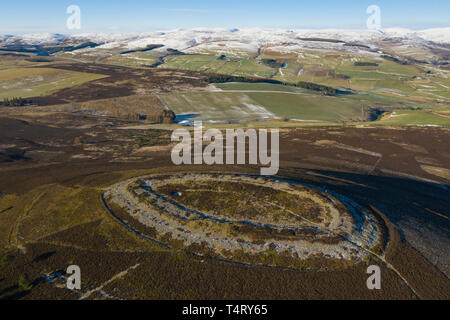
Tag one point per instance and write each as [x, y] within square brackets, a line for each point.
[30, 82]
[308, 107]
[215, 106]
[234, 105]
[294, 103]
[413, 117]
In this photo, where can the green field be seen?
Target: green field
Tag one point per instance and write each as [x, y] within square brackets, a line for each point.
[132, 60]
[211, 63]
[32, 82]
[15, 63]
[366, 98]
[414, 118]
[309, 107]
[216, 106]
[243, 106]
[251, 101]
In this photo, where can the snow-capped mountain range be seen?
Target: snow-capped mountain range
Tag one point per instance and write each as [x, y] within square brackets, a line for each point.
[183, 39]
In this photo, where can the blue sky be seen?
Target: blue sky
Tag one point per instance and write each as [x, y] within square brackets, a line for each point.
[114, 16]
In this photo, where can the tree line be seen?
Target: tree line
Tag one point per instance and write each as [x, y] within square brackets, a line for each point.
[329, 91]
[16, 102]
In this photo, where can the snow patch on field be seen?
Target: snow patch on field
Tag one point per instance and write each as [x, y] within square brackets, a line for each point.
[259, 110]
